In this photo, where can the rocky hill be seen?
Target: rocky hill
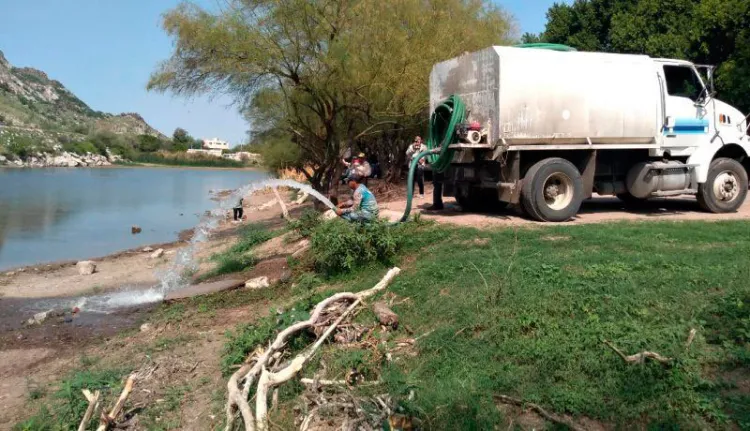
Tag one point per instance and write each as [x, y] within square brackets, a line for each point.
[32, 102]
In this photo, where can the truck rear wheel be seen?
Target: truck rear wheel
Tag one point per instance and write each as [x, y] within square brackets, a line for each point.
[552, 190]
[725, 188]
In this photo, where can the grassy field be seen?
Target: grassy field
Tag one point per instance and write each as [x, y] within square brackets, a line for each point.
[522, 313]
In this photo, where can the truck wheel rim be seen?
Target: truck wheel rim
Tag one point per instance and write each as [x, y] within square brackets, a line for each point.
[558, 191]
[726, 186]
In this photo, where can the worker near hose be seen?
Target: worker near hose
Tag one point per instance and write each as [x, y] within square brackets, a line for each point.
[415, 148]
[362, 207]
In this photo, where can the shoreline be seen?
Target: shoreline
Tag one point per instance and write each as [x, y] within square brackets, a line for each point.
[137, 165]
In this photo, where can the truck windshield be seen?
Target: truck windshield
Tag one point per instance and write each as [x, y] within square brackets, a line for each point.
[683, 82]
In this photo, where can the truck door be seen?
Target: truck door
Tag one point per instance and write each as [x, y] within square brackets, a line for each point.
[685, 123]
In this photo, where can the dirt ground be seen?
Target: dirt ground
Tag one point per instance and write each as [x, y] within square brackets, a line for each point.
[595, 210]
[185, 353]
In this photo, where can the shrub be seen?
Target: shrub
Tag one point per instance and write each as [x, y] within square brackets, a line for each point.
[306, 224]
[18, 145]
[80, 147]
[339, 246]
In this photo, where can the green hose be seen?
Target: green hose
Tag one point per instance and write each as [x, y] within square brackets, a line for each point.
[442, 133]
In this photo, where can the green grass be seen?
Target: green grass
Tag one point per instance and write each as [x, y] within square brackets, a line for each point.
[67, 405]
[238, 257]
[524, 314]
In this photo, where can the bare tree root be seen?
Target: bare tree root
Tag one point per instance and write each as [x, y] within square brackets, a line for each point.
[543, 413]
[639, 358]
[284, 211]
[256, 366]
[93, 400]
[107, 420]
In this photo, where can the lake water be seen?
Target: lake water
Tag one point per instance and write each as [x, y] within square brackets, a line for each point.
[48, 215]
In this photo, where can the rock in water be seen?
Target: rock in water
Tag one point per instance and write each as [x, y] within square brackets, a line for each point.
[86, 267]
[257, 283]
[147, 249]
[157, 254]
[135, 229]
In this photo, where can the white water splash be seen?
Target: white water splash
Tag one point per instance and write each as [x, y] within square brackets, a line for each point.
[176, 275]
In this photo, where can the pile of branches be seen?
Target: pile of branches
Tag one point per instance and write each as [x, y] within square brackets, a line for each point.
[265, 369]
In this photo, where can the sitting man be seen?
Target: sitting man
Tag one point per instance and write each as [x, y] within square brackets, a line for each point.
[362, 207]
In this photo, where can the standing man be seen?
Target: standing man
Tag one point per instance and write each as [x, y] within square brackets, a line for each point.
[362, 207]
[415, 148]
[237, 210]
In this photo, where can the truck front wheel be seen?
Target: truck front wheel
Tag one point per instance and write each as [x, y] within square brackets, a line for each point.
[725, 188]
[552, 190]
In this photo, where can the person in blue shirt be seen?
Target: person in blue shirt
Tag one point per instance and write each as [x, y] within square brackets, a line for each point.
[362, 207]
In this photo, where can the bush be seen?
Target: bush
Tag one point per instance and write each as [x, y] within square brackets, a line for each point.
[306, 224]
[339, 246]
[80, 147]
[18, 145]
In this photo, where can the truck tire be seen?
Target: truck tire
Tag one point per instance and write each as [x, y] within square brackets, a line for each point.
[725, 188]
[552, 190]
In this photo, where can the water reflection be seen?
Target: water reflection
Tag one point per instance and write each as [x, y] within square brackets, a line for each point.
[55, 214]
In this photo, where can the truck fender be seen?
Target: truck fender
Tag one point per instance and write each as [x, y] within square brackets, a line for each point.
[705, 154]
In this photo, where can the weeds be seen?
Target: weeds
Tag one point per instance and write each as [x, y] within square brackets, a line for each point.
[238, 257]
[68, 405]
[338, 246]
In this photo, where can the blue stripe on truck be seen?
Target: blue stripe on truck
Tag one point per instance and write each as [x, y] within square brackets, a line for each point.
[688, 126]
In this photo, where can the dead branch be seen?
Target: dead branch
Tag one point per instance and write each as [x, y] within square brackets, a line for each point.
[323, 382]
[256, 367]
[543, 413]
[639, 358]
[385, 315]
[690, 338]
[93, 400]
[108, 420]
[284, 211]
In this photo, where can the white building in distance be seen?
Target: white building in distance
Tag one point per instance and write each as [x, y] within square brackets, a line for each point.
[215, 144]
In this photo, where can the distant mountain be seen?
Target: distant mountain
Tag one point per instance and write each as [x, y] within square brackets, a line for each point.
[31, 101]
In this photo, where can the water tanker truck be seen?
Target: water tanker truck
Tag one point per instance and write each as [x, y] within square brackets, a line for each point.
[543, 130]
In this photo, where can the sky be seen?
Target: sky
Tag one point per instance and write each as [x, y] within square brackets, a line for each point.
[105, 50]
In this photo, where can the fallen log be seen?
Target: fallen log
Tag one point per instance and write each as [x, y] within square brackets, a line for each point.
[93, 400]
[108, 420]
[639, 358]
[257, 365]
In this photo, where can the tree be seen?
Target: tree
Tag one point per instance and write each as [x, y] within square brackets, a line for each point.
[149, 144]
[326, 74]
[704, 31]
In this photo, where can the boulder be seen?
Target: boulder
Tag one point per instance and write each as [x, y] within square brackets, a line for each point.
[145, 327]
[147, 249]
[135, 229]
[257, 283]
[86, 267]
[157, 254]
[3, 159]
